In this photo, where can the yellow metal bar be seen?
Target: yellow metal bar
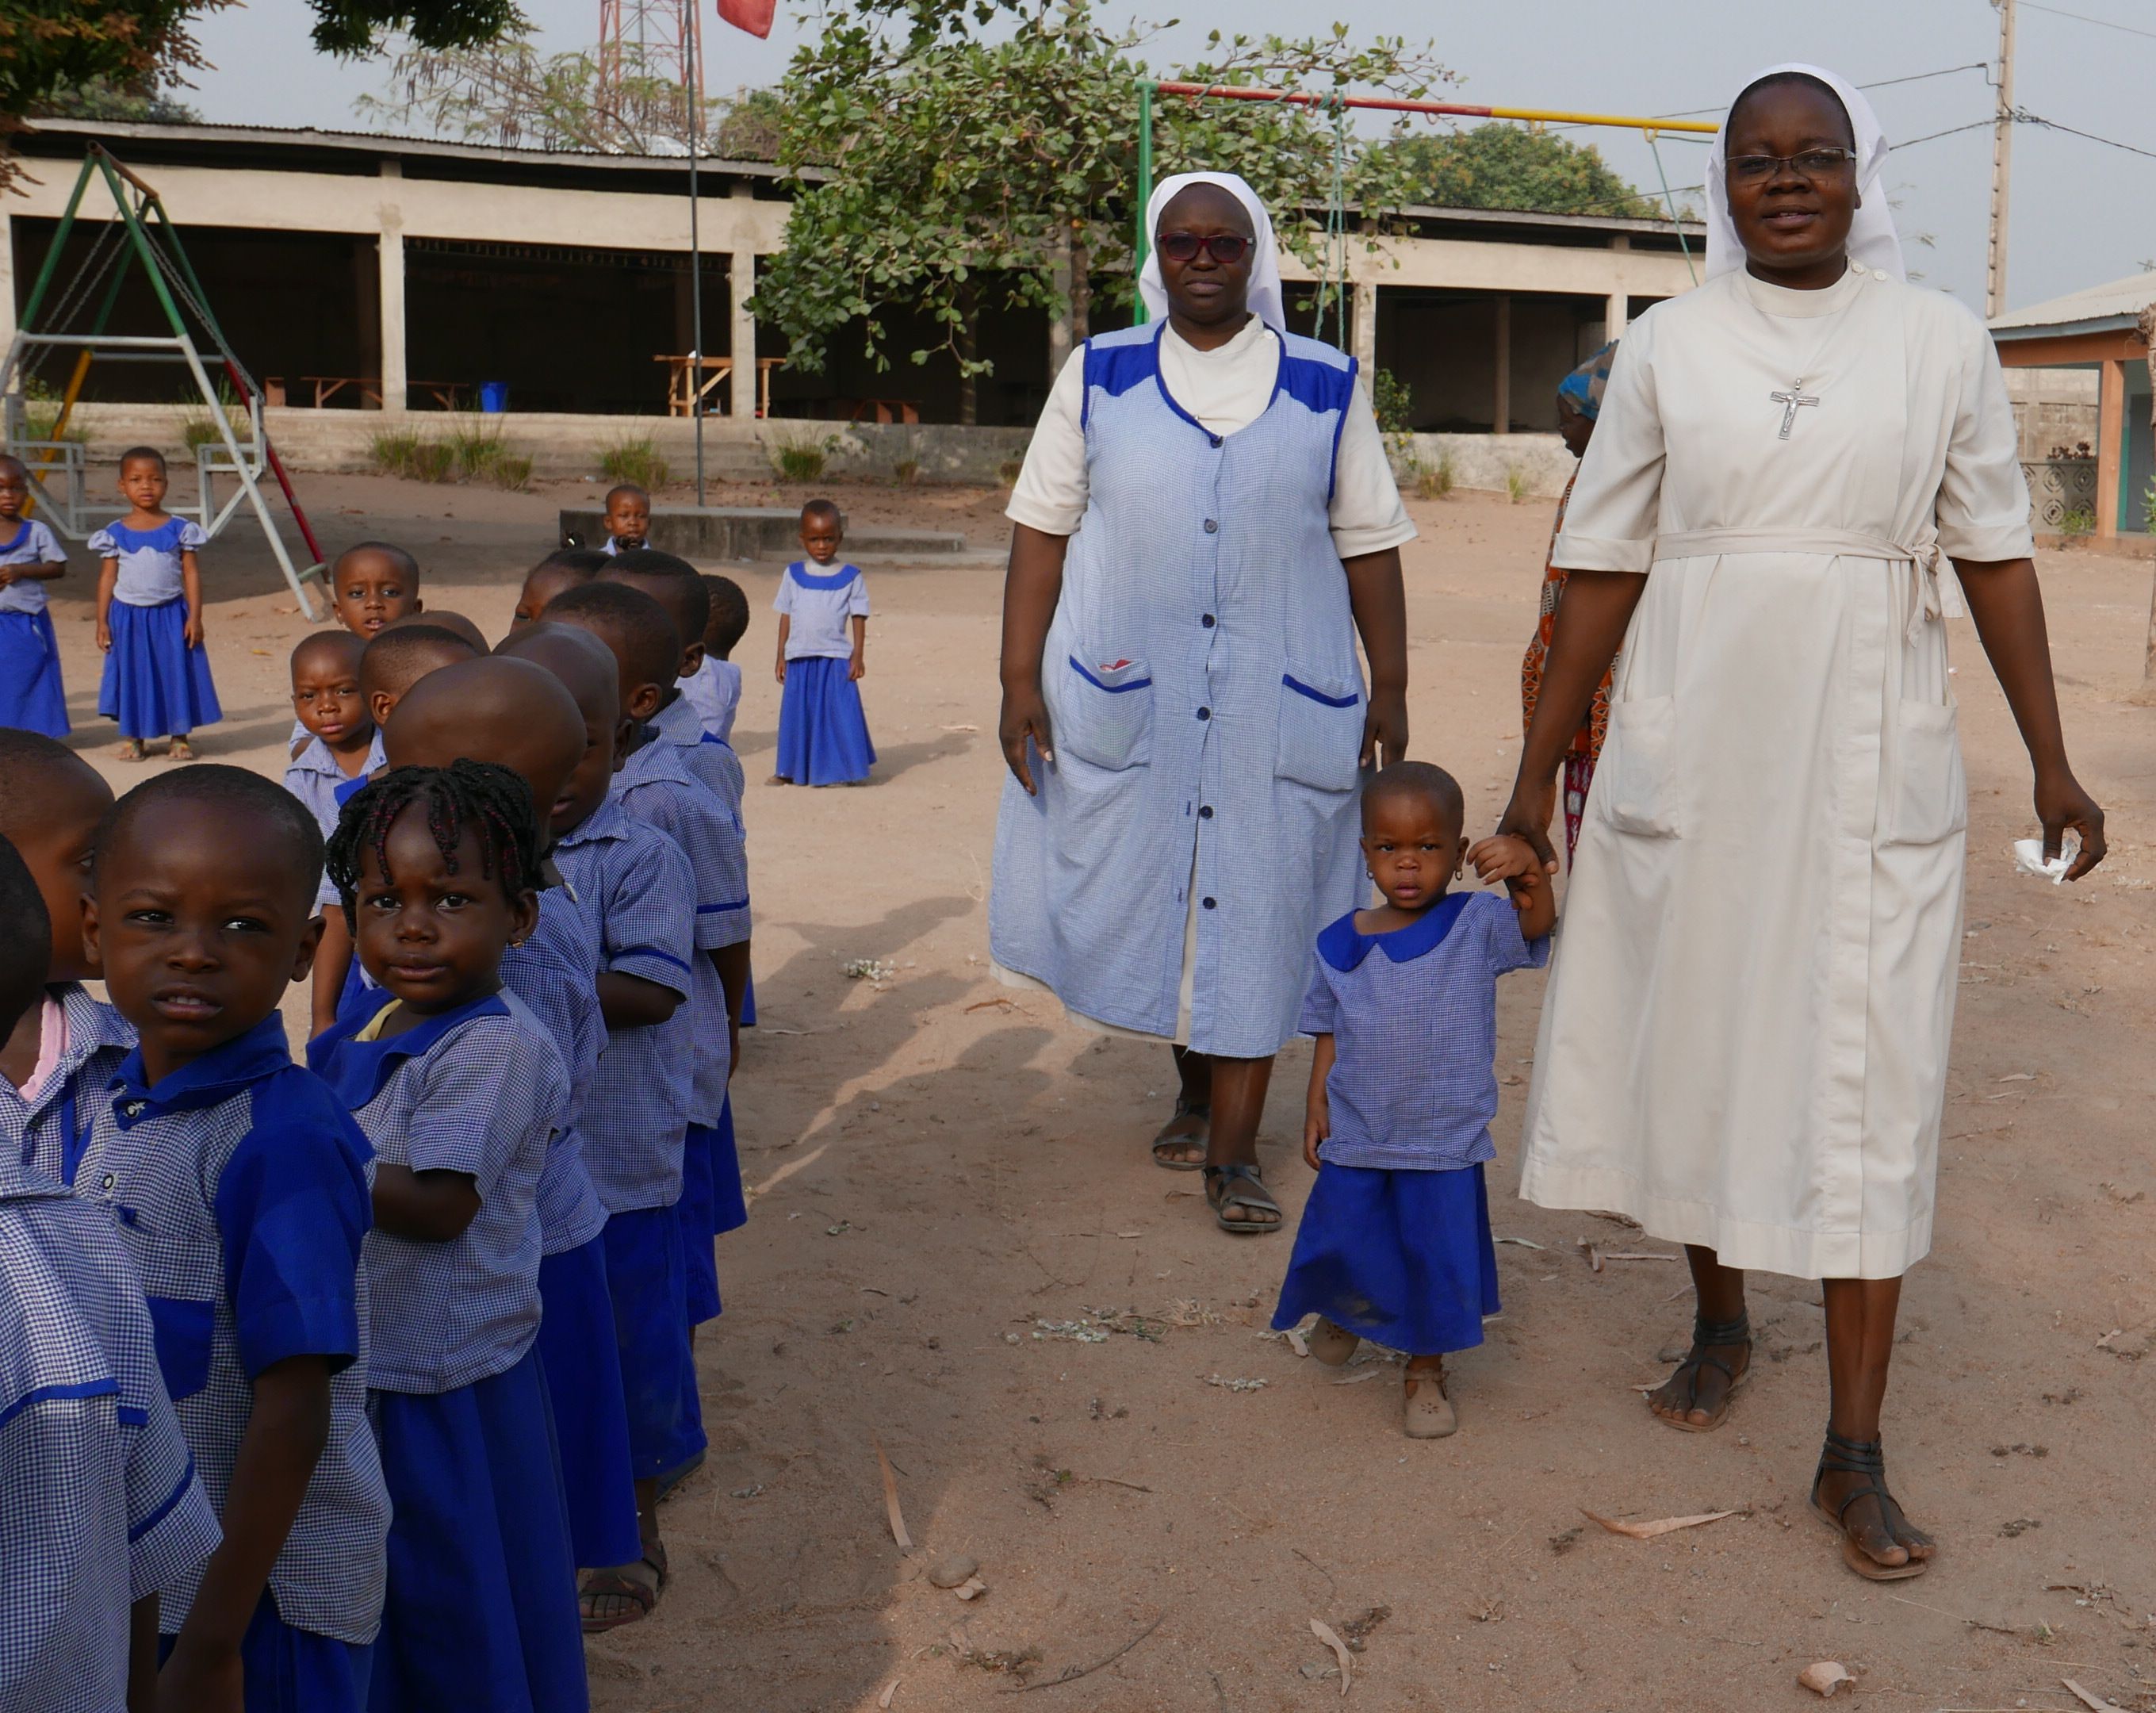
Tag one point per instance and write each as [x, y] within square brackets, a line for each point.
[1542, 116]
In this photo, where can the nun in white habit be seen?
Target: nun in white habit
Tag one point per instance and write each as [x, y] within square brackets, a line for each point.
[1745, 1042]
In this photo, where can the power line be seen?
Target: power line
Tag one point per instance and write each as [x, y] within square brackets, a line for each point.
[1951, 131]
[1948, 71]
[2100, 22]
[2026, 117]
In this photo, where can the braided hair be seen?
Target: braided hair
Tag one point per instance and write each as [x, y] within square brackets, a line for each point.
[488, 800]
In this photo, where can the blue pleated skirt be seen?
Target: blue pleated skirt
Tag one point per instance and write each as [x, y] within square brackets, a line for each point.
[649, 1287]
[583, 1362]
[482, 1593]
[823, 735]
[1403, 1259]
[154, 684]
[31, 698]
[286, 1670]
[694, 1210]
[729, 1205]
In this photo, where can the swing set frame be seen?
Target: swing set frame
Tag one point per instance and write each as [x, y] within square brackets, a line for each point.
[1334, 285]
[139, 226]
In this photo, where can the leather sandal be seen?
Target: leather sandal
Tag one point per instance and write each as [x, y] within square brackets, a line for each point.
[1229, 1187]
[1866, 1457]
[1705, 1336]
[1196, 1138]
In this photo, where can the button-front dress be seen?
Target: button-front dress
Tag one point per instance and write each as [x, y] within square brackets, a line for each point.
[1197, 824]
[1744, 1043]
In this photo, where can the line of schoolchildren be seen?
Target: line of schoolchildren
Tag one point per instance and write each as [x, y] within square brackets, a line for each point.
[423, 1313]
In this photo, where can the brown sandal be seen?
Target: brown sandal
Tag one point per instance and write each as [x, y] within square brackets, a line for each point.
[1196, 1138]
[1866, 1457]
[621, 1583]
[1705, 1336]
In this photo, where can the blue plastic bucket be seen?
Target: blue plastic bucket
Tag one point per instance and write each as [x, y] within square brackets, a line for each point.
[494, 397]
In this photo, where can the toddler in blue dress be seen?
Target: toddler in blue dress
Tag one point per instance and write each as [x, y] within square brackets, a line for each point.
[1394, 1244]
[156, 681]
[31, 698]
[823, 735]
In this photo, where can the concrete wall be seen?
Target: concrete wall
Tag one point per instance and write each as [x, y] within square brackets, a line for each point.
[1485, 462]
[2053, 407]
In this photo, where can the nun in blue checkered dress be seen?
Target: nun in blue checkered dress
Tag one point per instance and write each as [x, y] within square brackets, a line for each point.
[1205, 524]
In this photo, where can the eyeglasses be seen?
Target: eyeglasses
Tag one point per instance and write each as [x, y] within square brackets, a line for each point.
[1225, 248]
[1812, 163]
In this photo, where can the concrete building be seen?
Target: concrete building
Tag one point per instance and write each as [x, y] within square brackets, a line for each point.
[2097, 332]
[364, 271]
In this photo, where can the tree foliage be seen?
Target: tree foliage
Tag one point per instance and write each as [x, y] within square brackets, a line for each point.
[352, 28]
[103, 99]
[1499, 166]
[950, 153]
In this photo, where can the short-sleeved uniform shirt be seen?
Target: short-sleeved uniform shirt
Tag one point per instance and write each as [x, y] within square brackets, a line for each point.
[150, 570]
[640, 886]
[652, 787]
[821, 603]
[30, 543]
[478, 1090]
[554, 973]
[313, 776]
[710, 761]
[54, 1121]
[714, 690]
[1413, 1015]
[240, 1186]
[99, 1505]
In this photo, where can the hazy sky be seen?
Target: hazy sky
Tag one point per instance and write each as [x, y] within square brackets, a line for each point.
[2080, 210]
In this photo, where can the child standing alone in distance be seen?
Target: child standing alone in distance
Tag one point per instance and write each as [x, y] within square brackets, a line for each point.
[1394, 1244]
[823, 735]
[150, 616]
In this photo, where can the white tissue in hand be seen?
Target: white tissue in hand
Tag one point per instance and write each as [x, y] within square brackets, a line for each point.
[2028, 857]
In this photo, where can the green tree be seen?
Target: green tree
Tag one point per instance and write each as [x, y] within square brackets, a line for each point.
[954, 153]
[1501, 165]
[101, 98]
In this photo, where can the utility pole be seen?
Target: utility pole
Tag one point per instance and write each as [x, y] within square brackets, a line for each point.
[2002, 166]
[693, 52]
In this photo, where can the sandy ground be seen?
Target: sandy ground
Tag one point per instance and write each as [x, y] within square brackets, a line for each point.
[948, 1184]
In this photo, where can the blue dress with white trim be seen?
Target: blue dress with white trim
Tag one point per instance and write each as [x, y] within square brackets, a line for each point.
[31, 695]
[1207, 711]
[154, 685]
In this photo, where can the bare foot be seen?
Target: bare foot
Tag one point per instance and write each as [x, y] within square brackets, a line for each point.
[129, 749]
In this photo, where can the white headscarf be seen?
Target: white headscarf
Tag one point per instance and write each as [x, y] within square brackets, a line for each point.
[1872, 243]
[1265, 300]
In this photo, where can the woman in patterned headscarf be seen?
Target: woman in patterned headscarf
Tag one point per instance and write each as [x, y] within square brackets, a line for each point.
[1578, 404]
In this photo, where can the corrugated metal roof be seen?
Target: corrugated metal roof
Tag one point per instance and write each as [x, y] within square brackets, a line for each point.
[2094, 309]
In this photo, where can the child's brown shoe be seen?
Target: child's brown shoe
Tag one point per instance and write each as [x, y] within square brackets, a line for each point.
[1329, 1343]
[1426, 1413]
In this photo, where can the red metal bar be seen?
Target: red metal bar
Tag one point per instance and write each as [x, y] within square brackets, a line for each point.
[276, 465]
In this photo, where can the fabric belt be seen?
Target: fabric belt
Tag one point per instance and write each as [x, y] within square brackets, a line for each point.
[1923, 554]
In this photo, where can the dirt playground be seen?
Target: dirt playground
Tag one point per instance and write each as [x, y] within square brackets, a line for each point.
[960, 1253]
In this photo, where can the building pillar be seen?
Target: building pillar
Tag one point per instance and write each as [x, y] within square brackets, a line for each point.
[1502, 348]
[395, 376]
[2110, 447]
[1617, 316]
[1363, 331]
[7, 281]
[740, 283]
[1060, 327]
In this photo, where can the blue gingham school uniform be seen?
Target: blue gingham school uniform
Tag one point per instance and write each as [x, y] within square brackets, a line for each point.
[711, 763]
[314, 777]
[240, 1187]
[708, 756]
[1207, 707]
[640, 885]
[154, 684]
[554, 974]
[714, 690]
[54, 1125]
[99, 1505]
[655, 787]
[31, 695]
[823, 734]
[482, 1600]
[1394, 1241]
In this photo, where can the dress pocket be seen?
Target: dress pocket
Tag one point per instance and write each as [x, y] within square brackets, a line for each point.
[1104, 714]
[1635, 787]
[1320, 729]
[1928, 798]
[182, 1328]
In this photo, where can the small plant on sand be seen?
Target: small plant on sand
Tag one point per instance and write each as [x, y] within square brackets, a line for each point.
[1434, 481]
[2077, 522]
[801, 457]
[1519, 483]
[41, 414]
[635, 459]
[1007, 472]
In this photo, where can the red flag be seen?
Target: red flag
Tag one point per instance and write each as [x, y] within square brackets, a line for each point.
[753, 16]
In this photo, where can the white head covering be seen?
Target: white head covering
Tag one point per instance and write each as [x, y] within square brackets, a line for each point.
[1265, 300]
[1873, 242]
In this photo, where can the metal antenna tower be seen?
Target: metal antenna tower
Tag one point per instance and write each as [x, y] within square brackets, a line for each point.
[652, 41]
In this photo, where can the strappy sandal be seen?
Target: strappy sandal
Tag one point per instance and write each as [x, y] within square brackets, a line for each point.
[1705, 1336]
[1866, 1457]
[624, 1584]
[1185, 1139]
[1222, 1195]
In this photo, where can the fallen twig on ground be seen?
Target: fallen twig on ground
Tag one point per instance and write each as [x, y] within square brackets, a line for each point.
[1072, 1674]
[1661, 1525]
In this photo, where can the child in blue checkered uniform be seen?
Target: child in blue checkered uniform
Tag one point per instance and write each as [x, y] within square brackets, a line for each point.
[99, 1504]
[643, 892]
[239, 1187]
[518, 713]
[460, 1091]
[1394, 1243]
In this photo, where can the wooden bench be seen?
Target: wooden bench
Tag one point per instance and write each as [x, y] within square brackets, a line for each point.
[684, 398]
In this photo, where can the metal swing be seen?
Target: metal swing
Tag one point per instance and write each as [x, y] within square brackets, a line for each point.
[58, 474]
